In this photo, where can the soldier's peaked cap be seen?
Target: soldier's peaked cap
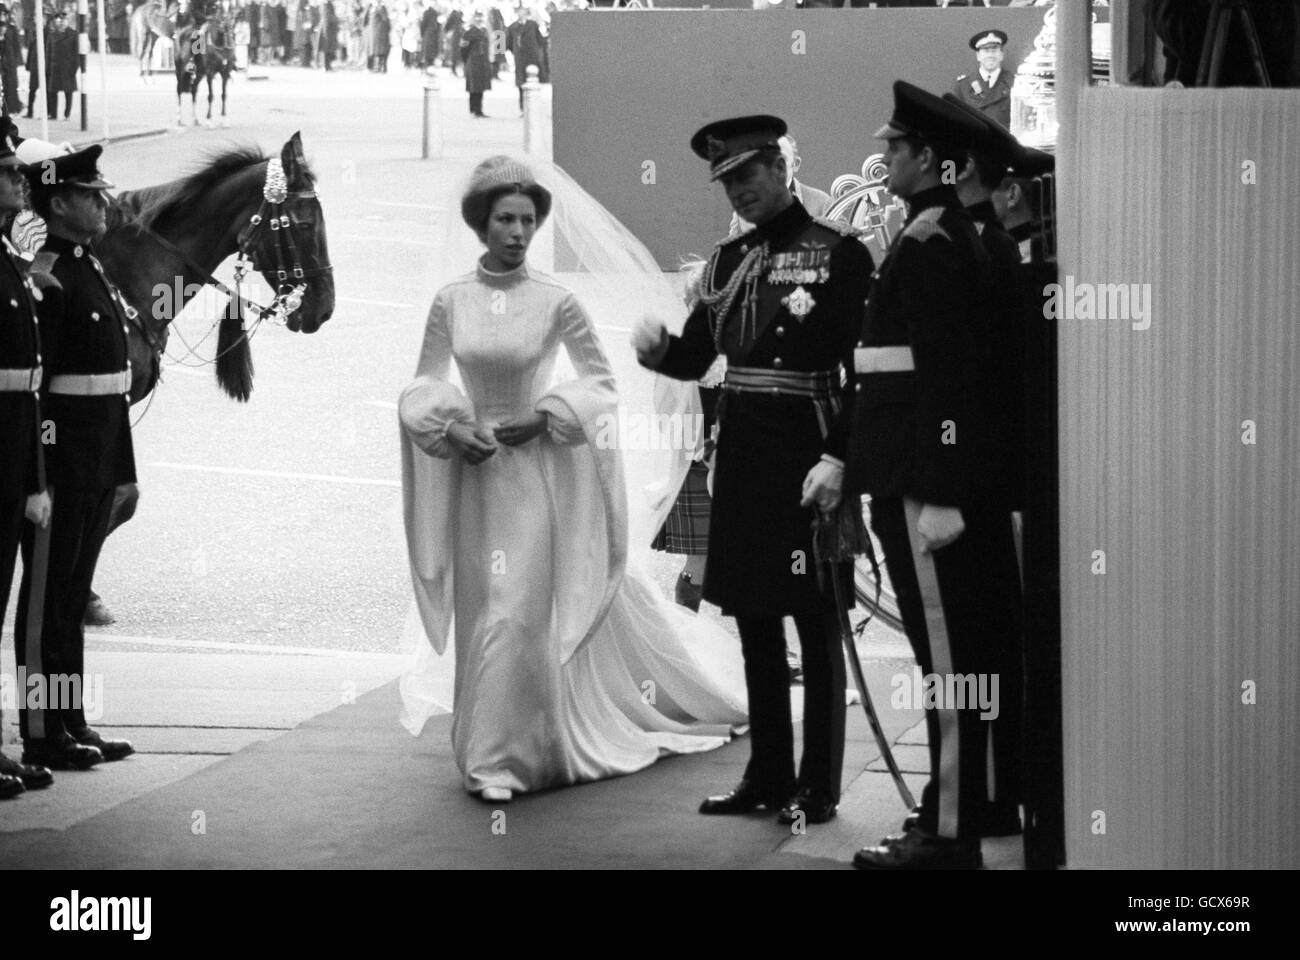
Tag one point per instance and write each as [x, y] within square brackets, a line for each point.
[918, 113]
[987, 38]
[729, 144]
[993, 140]
[1032, 163]
[77, 169]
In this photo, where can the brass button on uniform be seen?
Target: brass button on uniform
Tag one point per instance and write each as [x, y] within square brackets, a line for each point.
[777, 363]
[94, 314]
[857, 388]
[780, 331]
[76, 251]
[13, 303]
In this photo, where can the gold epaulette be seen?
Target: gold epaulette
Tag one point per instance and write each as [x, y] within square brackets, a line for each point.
[839, 226]
[926, 225]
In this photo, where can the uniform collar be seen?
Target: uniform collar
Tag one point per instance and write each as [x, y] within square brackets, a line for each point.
[792, 218]
[57, 244]
[944, 195]
[983, 212]
[1022, 231]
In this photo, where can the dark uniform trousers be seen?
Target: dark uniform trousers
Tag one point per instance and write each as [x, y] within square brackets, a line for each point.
[83, 326]
[1007, 340]
[927, 433]
[22, 468]
[797, 286]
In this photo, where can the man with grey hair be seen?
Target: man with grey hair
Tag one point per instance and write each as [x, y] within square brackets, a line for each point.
[815, 201]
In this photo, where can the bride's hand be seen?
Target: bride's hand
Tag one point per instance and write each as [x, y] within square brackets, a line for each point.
[473, 442]
[650, 340]
[519, 430]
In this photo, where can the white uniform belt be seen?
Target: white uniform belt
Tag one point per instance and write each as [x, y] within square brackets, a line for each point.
[91, 384]
[20, 380]
[883, 360]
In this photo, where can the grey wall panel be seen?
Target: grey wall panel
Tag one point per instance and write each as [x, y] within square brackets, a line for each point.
[631, 86]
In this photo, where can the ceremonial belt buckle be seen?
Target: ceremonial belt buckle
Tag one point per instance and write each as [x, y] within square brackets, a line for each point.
[91, 384]
[883, 360]
[21, 380]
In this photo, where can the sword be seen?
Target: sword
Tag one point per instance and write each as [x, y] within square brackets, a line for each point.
[827, 525]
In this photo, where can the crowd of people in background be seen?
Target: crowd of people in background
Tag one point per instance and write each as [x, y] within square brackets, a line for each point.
[370, 34]
[318, 34]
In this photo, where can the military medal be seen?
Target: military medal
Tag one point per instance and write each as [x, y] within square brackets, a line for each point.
[800, 303]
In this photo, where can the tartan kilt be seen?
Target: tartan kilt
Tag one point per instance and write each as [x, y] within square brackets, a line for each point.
[686, 528]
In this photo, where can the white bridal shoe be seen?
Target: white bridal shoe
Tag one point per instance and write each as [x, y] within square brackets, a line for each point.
[495, 795]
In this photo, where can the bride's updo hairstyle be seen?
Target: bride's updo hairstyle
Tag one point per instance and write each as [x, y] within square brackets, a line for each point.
[493, 179]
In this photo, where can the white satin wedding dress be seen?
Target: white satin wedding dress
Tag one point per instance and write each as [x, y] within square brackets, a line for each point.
[569, 663]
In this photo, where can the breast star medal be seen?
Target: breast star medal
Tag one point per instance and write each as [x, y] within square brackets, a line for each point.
[799, 302]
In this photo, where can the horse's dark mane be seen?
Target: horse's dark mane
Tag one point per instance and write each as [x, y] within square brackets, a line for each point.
[157, 206]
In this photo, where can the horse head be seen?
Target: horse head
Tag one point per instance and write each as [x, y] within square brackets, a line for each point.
[303, 248]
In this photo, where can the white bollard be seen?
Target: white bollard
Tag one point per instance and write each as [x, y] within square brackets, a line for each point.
[432, 136]
[532, 111]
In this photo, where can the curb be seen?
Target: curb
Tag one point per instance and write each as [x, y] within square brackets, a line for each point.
[135, 135]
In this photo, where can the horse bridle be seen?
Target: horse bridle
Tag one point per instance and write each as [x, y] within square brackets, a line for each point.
[270, 222]
[288, 297]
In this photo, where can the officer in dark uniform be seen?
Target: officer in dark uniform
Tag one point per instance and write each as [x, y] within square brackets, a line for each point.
[992, 156]
[987, 89]
[783, 302]
[1018, 199]
[88, 452]
[22, 468]
[921, 444]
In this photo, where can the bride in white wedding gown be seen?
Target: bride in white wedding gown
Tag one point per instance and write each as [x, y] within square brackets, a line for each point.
[569, 663]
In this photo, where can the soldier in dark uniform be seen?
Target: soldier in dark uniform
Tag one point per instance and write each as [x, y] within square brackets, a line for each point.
[987, 89]
[783, 302]
[1017, 201]
[992, 156]
[22, 467]
[921, 444]
[88, 453]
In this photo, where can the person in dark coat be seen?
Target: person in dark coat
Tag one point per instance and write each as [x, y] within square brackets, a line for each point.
[430, 37]
[378, 30]
[308, 24]
[24, 491]
[452, 31]
[253, 14]
[11, 57]
[927, 365]
[270, 32]
[118, 26]
[524, 41]
[285, 46]
[83, 324]
[987, 89]
[476, 51]
[330, 34]
[783, 302]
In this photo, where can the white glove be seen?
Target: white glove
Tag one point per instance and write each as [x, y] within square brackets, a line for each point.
[38, 508]
[650, 340]
[821, 488]
[938, 526]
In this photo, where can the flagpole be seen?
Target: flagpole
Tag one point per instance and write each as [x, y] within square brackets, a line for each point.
[103, 63]
[42, 79]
